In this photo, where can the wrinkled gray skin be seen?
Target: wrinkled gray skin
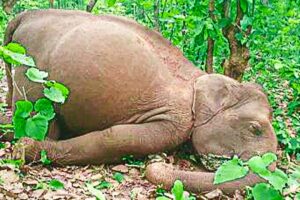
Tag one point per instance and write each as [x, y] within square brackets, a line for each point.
[133, 93]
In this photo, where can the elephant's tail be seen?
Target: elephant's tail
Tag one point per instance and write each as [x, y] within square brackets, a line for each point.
[8, 37]
[161, 173]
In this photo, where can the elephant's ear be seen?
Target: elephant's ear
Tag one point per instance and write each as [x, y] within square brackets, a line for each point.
[213, 94]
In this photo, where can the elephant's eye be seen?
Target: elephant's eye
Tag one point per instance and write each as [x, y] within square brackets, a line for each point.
[255, 128]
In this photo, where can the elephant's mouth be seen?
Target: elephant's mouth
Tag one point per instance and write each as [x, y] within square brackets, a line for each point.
[212, 162]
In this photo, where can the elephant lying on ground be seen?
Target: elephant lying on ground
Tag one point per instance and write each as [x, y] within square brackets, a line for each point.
[133, 93]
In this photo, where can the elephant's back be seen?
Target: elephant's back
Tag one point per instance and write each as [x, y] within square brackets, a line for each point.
[112, 72]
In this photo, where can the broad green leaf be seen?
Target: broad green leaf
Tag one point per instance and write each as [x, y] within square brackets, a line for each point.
[244, 5]
[258, 166]
[23, 108]
[97, 193]
[16, 48]
[17, 59]
[278, 179]
[37, 127]
[269, 158]
[55, 184]
[224, 22]
[230, 170]
[44, 159]
[54, 94]
[111, 3]
[263, 191]
[45, 108]
[13, 47]
[178, 190]
[36, 75]
[19, 127]
[64, 90]
[118, 177]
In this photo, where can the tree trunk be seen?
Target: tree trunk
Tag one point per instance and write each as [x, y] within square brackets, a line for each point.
[235, 66]
[91, 5]
[210, 42]
[156, 15]
[51, 3]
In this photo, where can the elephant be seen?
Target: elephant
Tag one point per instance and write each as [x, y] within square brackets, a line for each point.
[134, 93]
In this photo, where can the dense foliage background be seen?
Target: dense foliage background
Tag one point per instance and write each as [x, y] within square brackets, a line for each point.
[269, 29]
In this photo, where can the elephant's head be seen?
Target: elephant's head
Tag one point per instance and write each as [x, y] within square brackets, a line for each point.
[231, 118]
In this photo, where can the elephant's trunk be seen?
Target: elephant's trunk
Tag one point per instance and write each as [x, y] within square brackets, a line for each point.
[195, 181]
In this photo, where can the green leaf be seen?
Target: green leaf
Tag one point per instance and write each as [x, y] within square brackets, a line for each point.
[23, 108]
[224, 22]
[111, 3]
[97, 193]
[244, 5]
[19, 127]
[44, 159]
[36, 75]
[263, 191]
[2, 145]
[45, 108]
[178, 190]
[118, 177]
[258, 166]
[55, 184]
[278, 179]
[104, 184]
[16, 48]
[269, 158]
[17, 58]
[37, 127]
[64, 90]
[230, 170]
[54, 94]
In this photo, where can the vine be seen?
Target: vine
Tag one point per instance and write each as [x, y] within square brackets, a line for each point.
[31, 119]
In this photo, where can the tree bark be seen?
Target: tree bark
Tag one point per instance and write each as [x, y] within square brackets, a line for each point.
[235, 66]
[210, 42]
[91, 5]
[51, 3]
[156, 15]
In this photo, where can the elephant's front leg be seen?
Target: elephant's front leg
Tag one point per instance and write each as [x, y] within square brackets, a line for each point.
[110, 145]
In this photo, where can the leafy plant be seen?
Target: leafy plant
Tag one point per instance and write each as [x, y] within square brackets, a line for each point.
[32, 119]
[178, 193]
[231, 170]
[44, 159]
[277, 179]
[133, 162]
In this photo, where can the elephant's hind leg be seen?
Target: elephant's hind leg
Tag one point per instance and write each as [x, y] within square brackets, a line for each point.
[110, 145]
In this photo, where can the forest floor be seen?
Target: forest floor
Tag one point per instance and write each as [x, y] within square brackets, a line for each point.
[124, 181]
